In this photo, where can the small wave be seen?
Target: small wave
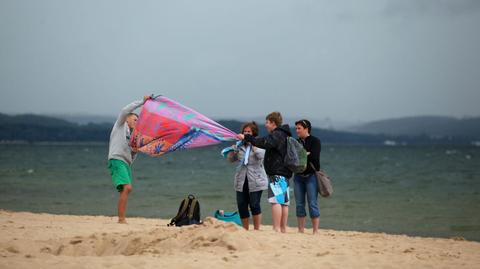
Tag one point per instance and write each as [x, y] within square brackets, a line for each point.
[465, 228]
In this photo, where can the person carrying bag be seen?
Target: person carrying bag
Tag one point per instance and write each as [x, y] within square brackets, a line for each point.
[306, 185]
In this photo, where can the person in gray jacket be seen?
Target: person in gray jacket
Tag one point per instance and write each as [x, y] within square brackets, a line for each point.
[250, 178]
[121, 156]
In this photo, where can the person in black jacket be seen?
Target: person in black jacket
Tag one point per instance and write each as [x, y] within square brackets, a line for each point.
[305, 183]
[278, 174]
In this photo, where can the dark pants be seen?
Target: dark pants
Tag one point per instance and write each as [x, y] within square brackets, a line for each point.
[245, 199]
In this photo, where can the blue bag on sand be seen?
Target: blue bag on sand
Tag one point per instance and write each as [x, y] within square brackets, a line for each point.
[228, 216]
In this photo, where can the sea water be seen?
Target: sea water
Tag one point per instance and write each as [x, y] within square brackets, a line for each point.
[421, 190]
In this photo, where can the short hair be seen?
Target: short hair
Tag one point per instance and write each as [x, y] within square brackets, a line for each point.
[275, 117]
[132, 114]
[253, 125]
[305, 124]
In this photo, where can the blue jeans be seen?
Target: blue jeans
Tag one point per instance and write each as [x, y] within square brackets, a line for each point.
[306, 186]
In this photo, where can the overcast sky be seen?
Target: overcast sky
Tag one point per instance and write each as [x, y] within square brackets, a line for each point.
[345, 60]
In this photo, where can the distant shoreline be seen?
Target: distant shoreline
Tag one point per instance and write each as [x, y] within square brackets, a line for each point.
[102, 143]
[24, 129]
[54, 143]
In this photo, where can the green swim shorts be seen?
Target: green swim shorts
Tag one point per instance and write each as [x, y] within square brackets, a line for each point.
[121, 173]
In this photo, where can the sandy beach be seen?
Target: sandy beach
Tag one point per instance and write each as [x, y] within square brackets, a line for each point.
[30, 240]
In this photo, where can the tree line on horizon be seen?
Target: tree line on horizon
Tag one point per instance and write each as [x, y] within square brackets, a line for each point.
[36, 128]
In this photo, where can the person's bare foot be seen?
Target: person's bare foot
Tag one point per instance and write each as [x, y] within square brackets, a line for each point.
[122, 221]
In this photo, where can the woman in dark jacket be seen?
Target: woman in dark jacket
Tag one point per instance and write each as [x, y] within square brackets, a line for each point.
[278, 174]
[305, 183]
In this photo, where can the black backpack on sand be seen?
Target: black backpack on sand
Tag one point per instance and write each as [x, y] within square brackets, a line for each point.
[188, 212]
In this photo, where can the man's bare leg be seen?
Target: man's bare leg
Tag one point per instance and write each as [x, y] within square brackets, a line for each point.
[276, 216]
[284, 219]
[122, 203]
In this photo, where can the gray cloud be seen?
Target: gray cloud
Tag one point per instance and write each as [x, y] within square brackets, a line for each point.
[410, 8]
[349, 60]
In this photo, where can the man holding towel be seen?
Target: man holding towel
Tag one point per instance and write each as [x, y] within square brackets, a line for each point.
[121, 156]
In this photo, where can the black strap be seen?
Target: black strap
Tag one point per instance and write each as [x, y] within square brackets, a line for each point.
[192, 208]
[313, 166]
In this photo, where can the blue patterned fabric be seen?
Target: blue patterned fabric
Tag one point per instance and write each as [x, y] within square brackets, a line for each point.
[278, 190]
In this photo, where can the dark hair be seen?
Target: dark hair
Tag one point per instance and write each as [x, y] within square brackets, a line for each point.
[305, 124]
[253, 125]
[132, 114]
[275, 117]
